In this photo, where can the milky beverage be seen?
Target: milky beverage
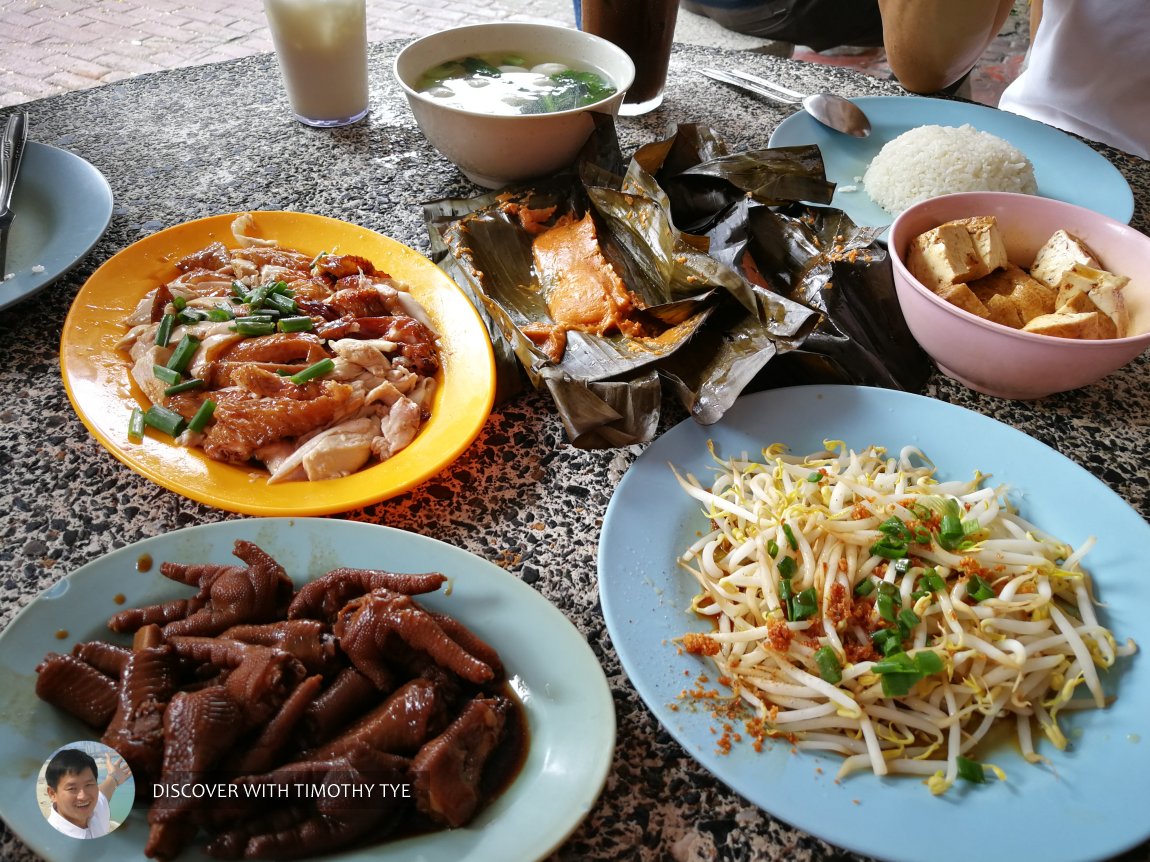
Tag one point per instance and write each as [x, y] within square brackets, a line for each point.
[322, 51]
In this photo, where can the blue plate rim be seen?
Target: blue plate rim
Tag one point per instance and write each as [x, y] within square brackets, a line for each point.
[100, 200]
[642, 601]
[580, 686]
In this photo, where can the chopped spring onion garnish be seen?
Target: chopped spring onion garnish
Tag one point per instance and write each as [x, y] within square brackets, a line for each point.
[814, 477]
[804, 604]
[253, 326]
[772, 548]
[295, 324]
[864, 588]
[787, 566]
[166, 375]
[186, 386]
[282, 303]
[951, 532]
[181, 357]
[900, 672]
[896, 528]
[828, 663]
[888, 641]
[978, 589]
[162, 419]
[908, 618]
[164, 330]
[889, 548]
[220, 313]
[318, 369]
[790, 534]
[885, 606]
[971, 770]
[931, 581]
[255, 298]
[136, 425]
[929, 662]
[191, 315]
[179, 303]
[200, 420]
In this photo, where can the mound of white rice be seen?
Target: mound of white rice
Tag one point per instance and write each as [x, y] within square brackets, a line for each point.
[939, 160]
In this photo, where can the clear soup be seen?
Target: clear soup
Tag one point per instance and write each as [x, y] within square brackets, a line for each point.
[511, 84]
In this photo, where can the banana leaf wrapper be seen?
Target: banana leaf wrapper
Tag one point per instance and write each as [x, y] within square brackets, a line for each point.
[752, 288]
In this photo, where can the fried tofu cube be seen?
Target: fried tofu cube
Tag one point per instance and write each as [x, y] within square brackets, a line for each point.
[1059, 255]
[1106, 327]
[1078, 302]
[944, 256]
[1030, 298]
[1103, 288]
[1003, 310]
[1085, 325]
[987, 240]
[957, 252]
[964, 298]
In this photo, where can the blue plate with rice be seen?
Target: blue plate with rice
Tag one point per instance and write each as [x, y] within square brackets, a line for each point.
[1065, 168]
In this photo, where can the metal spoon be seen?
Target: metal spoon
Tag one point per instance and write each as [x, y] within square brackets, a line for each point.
[833, 111]
[840, 114]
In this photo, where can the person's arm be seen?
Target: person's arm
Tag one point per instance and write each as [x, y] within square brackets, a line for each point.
[930, 44]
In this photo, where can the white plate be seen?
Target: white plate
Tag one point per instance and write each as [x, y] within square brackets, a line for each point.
[569, 708]
[63, 206]
[1089, 804]
[1064, 168]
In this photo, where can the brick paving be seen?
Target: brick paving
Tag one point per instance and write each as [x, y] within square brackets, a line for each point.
[55, 46]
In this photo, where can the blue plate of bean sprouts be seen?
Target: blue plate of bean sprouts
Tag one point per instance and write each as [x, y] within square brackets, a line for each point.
[898, 605]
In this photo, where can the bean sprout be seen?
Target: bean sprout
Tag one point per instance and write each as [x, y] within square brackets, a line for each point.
[864, 607]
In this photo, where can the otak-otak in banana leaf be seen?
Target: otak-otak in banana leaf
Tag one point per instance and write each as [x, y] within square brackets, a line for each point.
[735, 284]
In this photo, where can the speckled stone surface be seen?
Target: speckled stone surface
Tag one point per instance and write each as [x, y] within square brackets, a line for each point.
[196, 142]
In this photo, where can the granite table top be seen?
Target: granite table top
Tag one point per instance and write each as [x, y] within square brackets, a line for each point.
[195, 142]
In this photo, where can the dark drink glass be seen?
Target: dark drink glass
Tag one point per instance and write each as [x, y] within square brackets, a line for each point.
[644, 29]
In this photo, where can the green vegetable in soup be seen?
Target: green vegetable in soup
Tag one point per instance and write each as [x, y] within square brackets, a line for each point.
[479, 66]
[501, 83]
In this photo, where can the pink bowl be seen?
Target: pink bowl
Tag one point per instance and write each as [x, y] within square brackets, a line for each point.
[995, 359]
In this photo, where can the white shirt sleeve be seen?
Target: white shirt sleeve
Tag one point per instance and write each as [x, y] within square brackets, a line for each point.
[1086, 72]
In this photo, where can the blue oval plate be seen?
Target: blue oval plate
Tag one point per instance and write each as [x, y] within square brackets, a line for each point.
[1089, 803]
[63, 206]
[569, 709]
[1065, 168]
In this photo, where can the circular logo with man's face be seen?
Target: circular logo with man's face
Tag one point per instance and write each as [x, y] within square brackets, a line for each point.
[85, 789]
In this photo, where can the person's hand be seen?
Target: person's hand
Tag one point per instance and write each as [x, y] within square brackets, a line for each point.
[116, 768]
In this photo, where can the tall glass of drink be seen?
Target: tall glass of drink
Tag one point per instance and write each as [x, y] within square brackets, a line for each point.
[322, 51]
[644, 29]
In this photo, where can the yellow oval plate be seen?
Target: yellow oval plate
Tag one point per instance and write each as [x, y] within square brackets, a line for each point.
[103, 394]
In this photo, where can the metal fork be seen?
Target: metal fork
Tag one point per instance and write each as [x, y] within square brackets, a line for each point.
[755, 84]
[833, 111]
[11, 149]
